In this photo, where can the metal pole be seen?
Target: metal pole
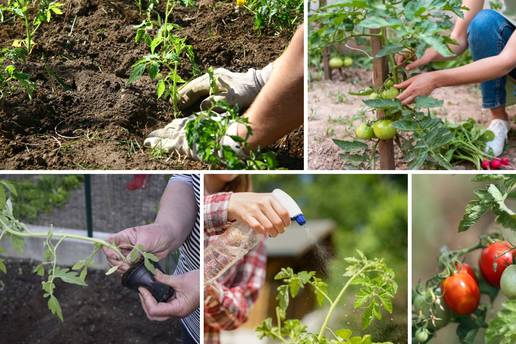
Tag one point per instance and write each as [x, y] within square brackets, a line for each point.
[87, 198]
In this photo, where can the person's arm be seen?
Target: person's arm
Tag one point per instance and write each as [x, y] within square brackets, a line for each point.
[227, 307]
[278, 108]
[482, 70]
[174, 222]
[458, 34]
[216, 212]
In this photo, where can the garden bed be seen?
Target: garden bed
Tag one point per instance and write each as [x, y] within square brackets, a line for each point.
[103, 312]
[84, 115]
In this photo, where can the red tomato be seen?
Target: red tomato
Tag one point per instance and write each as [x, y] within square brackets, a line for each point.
[493, 261]
[461, 293]
[465, 267]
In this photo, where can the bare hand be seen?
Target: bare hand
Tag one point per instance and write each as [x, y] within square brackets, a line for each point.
[419, 85]
[184, 303]
[152, 237]
[260, 211]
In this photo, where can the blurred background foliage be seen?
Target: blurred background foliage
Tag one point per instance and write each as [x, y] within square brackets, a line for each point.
[371, 215]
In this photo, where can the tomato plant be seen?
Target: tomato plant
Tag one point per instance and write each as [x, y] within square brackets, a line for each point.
[376, 289]
[16, 232]
[166, 53]
[380, 29]
[205, 135]
[277, 14]
[462, 287]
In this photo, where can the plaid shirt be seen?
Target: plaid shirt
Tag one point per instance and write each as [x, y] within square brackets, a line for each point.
[238, 287]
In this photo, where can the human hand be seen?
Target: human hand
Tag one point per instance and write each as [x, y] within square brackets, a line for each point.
[234, 88]
[260, 211]
[429, 56]
[419, 85]
[186, 299]
[153, 238]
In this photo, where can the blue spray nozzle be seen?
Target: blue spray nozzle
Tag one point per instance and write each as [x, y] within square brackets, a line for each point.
[300, 219]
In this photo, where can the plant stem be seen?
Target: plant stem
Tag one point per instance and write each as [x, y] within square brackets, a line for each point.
[63, 236]
[336, 301]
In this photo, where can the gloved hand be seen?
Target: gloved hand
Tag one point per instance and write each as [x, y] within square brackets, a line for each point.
[173, 138]
[234, 88]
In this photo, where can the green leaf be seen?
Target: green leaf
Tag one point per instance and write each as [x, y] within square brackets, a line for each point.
[3, 268]
[55, 307]
[148, 264]
[383, 103]
[137, 71]
[389, 50]
[9, 187]
[502, 329]
[3, 198]
[160, 88]
[151, 256]
[426, 102]
[374, 22]
[405, 125]
[437, 45]
[39, 270]
[68, 277]
[112, 270]
[344, 333]
[350, 146]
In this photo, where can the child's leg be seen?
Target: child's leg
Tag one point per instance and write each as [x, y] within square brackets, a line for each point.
[488, 33]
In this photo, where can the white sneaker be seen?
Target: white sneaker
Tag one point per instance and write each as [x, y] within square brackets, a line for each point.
[500, 128]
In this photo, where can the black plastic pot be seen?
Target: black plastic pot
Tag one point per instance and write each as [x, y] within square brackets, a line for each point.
[138, 276]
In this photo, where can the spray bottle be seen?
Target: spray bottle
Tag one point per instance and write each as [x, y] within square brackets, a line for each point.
[239, 239]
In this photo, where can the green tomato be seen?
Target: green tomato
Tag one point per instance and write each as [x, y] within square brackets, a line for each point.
[441, 315]
[364, 132]
[348, 61]
[390, 93]
[384, 130]
[422, 335]
[374, 95]
[508, 282]
[336, 62]
[488, 136]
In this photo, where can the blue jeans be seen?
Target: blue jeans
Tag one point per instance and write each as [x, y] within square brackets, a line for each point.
[488, 34]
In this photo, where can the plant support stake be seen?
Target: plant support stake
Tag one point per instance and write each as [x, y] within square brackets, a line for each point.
[380, 72]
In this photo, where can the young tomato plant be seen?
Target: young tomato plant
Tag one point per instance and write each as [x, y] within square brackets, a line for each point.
[32, 13]
[278, 14]
[205, 135]
[376, 289]
[16, 232]
[453, 295]
[12, 79]
[167, 51]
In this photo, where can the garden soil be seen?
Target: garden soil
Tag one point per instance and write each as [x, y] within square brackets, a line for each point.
[331, 109]
[84, 115]
[104, 312]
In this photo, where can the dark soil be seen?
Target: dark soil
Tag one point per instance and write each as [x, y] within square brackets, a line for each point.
[85, 116]
[103, 312]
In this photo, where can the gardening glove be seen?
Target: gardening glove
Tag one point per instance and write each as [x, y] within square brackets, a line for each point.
[234, 88]
[501, 129]
[185, 302]
[173, 138]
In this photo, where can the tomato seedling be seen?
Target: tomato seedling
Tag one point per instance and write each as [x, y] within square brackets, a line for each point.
[377, 288]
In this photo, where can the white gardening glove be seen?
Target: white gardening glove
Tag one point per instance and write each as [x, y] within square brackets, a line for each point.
[234, 88]
[173, 138]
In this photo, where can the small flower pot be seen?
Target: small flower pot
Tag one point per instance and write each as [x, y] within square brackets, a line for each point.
[138, 276]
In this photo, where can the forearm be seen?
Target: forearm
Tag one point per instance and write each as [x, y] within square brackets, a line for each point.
[177, 212]
[460, 30]
[278, 108]
[482, 70]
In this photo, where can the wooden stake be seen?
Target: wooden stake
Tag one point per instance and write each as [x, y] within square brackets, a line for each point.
[380, 73]
[326, 64]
